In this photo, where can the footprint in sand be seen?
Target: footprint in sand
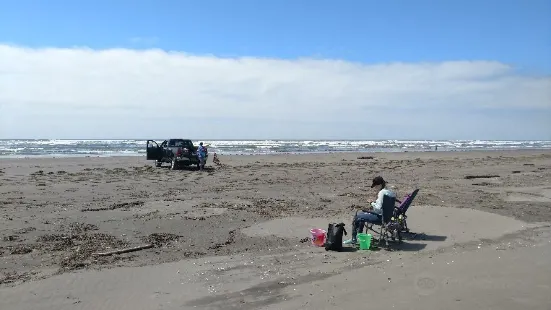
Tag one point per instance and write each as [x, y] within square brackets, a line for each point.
[425, 285]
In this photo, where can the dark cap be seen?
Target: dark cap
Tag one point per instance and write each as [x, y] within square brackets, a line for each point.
[378, 181]
[201, 143]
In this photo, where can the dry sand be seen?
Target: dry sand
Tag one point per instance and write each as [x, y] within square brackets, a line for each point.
[233, 237]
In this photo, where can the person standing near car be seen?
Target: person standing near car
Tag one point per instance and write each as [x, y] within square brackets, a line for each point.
[201, 155]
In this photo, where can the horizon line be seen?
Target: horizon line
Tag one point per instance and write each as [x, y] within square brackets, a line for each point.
[279, 139]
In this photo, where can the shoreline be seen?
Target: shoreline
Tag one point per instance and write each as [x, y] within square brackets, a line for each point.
[358, 153]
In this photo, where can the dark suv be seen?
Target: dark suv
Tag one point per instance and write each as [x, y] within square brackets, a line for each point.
[177, 152]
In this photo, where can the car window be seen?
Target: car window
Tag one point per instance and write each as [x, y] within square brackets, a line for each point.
[176, 143]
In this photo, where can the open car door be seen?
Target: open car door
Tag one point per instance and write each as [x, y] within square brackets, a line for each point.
[153, 151]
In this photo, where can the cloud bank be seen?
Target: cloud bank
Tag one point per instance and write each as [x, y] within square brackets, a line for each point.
[123, 93]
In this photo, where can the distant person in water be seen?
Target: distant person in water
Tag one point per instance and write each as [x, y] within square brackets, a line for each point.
[201, 155]
[374, 213]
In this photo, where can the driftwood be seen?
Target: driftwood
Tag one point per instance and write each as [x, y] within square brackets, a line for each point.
[470, 177]
[97, 209]
[122, 205]
[365, 157]
[121, 251]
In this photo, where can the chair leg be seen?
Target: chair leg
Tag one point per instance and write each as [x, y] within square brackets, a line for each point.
[382, 236]
[406, 229]
[370, 228]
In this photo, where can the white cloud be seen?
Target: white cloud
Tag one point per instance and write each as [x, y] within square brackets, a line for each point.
[80, 92]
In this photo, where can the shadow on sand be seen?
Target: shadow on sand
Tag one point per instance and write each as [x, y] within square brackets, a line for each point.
[424, 237]
[410, 246]
[349, 249]
[191, 168]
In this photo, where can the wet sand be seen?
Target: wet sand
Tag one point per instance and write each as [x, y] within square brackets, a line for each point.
[235, 236]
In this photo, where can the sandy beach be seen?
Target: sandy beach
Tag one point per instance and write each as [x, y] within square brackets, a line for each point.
[236, 236]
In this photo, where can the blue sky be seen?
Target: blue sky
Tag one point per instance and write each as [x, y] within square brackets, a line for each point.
[516, 34]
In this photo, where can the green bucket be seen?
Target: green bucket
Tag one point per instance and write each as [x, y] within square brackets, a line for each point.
[365, 241]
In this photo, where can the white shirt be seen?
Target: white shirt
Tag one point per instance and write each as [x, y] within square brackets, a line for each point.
[378, 204]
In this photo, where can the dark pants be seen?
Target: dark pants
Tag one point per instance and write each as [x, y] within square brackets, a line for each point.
[359, 221]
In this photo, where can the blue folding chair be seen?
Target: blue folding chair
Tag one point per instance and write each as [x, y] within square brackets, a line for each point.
[400, 211]
[388, 227]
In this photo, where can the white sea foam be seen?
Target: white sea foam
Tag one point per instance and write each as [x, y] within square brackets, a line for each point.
[136, 147]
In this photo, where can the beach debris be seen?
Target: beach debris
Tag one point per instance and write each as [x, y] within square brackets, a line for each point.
[14, 277]
[80, 228]
[482, 176]
[483, 184]
[24, 230]
[21, 249]
[365, 157]
[127, 250]
[125, 205]
[230, 240]
[160, 239]
[52, 238]
[10, 238]
[78, 245]
[350, 194]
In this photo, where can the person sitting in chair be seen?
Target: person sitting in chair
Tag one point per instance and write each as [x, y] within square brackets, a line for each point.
[374, 213]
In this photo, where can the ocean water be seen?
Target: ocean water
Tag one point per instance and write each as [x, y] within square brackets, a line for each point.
[135, 147]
